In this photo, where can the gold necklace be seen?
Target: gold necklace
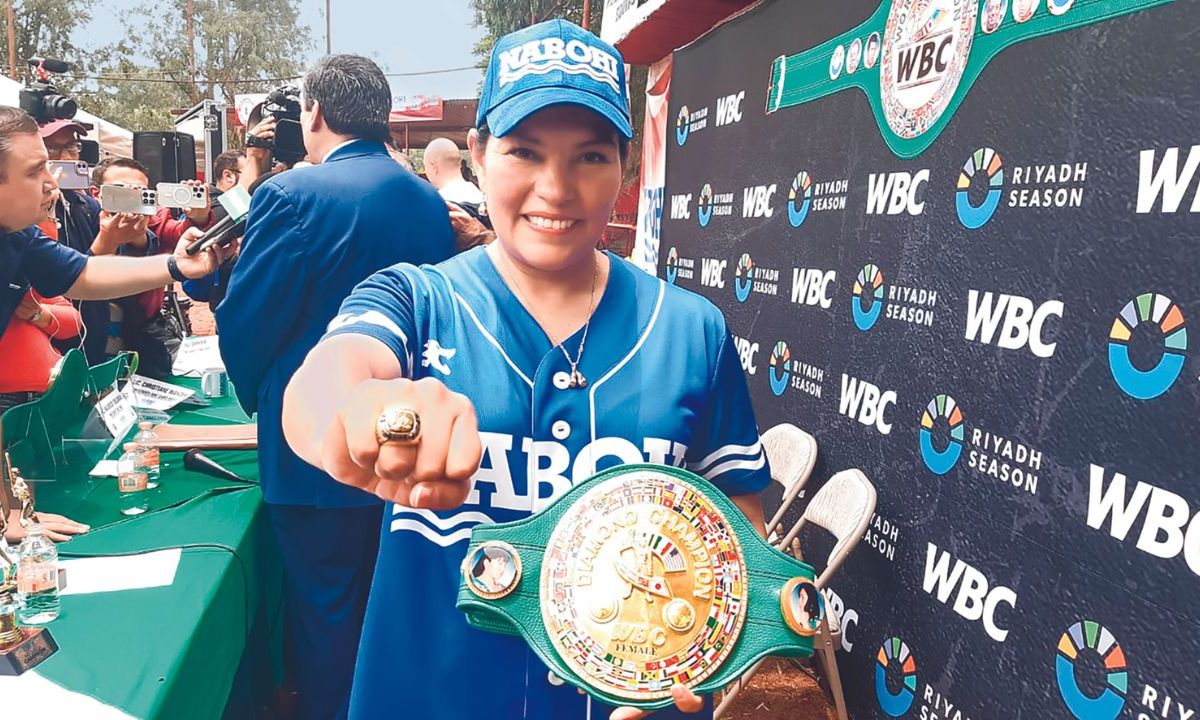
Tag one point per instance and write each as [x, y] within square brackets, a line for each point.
[577, 378]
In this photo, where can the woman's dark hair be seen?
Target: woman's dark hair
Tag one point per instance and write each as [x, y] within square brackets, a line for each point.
[485, 134]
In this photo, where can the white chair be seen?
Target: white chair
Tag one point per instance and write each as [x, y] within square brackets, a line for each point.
[844, 507]
[792, 453]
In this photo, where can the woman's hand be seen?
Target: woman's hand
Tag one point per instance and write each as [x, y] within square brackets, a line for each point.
[433, 471]
[686, 700]
[57, 527]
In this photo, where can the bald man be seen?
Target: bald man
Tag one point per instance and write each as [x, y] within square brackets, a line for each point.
[443, 167]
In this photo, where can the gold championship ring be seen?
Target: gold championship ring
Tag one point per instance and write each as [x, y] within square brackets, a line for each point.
[398, 424]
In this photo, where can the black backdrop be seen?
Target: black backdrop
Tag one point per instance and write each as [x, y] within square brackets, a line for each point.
[1118, 96]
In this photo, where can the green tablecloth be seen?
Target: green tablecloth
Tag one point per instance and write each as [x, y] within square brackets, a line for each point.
[172, 652]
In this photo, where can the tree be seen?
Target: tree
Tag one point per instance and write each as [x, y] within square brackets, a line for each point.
[241, 46]
[43, 28]
[500, 17]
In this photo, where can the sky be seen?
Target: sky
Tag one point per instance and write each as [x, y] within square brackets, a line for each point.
[403, 36]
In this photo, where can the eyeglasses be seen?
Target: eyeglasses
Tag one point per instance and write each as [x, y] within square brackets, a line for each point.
[74, 147]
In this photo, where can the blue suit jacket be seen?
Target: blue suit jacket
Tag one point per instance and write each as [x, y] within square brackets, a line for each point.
[313, 234]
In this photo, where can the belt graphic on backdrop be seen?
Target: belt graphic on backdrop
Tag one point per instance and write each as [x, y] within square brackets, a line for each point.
[930, 59]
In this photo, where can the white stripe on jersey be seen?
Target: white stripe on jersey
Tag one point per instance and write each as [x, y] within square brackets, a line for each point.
[726, 451]
[370, 317]
[492, 339]
[422, 529]
[735, 465]
[662, 287]
[443, 523]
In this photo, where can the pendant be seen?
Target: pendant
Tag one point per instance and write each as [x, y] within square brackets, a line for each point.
[577, 380]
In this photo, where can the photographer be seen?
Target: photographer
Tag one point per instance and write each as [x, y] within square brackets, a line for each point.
[30, 259]
[313, 233]
[139, 322]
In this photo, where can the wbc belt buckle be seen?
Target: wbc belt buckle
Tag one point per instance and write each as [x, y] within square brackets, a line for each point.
[642, 583]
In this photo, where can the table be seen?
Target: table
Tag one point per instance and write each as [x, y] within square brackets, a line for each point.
[179, 650]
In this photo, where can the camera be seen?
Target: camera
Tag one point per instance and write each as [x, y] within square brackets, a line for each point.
[283, 104]
[41, 99]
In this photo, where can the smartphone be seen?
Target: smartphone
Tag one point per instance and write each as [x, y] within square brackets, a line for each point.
[178, 195]
[74, 175]
[116, 198]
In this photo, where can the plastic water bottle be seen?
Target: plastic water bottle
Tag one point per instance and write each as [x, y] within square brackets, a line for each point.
[37, 577]
[148, 445]
[131, 481]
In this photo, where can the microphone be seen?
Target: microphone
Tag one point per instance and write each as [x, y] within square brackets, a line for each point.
[197, 461]
[50, 64]
[236, 204]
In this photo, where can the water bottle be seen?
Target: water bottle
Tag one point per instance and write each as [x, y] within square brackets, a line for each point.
[131, 481]
[148, 444]
[37, 577]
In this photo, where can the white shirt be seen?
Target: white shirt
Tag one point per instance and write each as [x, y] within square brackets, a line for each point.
[461, 191]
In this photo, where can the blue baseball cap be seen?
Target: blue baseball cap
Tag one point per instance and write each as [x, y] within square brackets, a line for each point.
[553, 63]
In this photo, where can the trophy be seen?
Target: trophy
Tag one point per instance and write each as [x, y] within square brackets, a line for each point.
[21, 648]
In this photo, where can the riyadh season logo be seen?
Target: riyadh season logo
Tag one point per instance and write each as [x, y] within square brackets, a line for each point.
[1044, 185]
[808, 195]
[896, 686]
[679, 268]
[943, 434]
[867, 301]
[786, 372]
[941, 408]
[1089, 638]
[1092, 674]
[748, 277]
[926, 45]
[710, 204]
[896, 661]
[883, 535]
[1162, 321]
[688, 122]
[902, 303]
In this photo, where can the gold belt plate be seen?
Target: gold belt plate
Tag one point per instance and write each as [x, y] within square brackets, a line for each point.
[643, 586]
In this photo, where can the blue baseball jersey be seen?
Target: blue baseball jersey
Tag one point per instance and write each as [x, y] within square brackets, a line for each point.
[664, 385]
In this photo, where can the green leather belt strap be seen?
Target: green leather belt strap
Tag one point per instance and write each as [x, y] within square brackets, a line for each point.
[639, 578]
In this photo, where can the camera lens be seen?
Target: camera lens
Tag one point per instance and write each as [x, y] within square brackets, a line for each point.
[61, 107]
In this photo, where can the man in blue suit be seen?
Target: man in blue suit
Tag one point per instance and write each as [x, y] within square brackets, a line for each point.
[314, 233]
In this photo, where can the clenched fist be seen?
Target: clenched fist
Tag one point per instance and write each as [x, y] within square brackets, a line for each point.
[432, 471]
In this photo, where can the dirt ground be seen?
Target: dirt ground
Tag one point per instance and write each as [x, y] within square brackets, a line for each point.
[780, 692]
[202, 319]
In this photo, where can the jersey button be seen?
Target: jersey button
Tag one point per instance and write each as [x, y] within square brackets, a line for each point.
[560, 430]
[562, 380]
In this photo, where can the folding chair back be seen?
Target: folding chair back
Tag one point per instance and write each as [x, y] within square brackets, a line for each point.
[792, 453]
[844, 507]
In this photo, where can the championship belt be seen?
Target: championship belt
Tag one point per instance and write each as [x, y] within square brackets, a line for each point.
[642, 577]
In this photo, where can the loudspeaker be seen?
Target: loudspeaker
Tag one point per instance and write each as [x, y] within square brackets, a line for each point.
[170, 156]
